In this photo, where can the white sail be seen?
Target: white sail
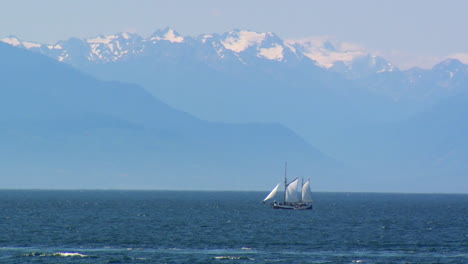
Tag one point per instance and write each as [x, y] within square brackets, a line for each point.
[306, 193]
[292, 196]
[272, 193]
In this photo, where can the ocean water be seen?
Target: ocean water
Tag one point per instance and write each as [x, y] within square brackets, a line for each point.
[230, 227]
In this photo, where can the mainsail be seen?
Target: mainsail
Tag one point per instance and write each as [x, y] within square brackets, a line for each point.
[306, 193]
[292, 196]
[272, 193]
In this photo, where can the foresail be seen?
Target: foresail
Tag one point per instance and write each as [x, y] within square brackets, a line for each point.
[306, 193]
[292, 196]
[272, 193]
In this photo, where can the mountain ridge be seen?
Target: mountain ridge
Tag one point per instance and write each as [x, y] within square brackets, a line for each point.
[237, 43]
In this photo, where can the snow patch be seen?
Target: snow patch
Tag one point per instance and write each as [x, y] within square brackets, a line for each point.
[219, 49]
[291, 47]
[243, 41]
[327, 60]
[12, 41]
[205, 38]
[111, 47]
[172, 37]
[125, 35]
[101, 39]
[319, 50]
[30, 45]
[57, 47]
[96, 50]
[273, 53]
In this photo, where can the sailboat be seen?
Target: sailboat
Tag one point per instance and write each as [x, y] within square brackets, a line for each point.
[292, 198]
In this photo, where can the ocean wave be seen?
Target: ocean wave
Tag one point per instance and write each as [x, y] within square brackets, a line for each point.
[69, 254]
[55, 254]
[232, 258]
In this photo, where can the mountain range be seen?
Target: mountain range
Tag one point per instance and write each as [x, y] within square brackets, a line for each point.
[61, 128]
[240, 49]
[238, 45]
[394, 130]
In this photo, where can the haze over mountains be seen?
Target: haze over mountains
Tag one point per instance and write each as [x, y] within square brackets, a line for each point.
[393, 130]
[63, 129]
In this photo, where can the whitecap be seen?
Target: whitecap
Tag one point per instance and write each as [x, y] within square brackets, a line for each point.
[68, 254]
[232, 257]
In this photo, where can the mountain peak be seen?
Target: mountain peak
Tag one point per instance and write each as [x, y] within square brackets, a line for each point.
[450, 68]
[15, 41]
[448, 63]
[12, 40]
[240, 40]
[326, 52]
[265, 45]
[106, 39]
[126, 35]
[101, 39]
[167, 34]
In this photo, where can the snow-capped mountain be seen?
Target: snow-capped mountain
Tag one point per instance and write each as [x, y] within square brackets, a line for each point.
[243, 46]
[363, 66]
[166, 35]
[261, 45]
[351, 61]
[327, 52]
[246, 52]
[14, 41]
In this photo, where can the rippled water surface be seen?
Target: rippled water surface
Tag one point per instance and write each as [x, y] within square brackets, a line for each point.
[230, 227]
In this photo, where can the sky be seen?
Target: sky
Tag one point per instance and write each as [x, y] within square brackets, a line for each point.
[408, 33]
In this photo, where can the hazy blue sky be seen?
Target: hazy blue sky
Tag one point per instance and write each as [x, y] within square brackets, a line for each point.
[429, 29]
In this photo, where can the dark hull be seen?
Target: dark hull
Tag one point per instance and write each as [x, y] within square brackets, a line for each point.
[293, 206]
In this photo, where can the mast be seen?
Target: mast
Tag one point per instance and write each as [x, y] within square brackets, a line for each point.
[285, 180]
[302, 187]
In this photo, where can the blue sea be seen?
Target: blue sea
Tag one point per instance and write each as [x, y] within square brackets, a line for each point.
[230, 227]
